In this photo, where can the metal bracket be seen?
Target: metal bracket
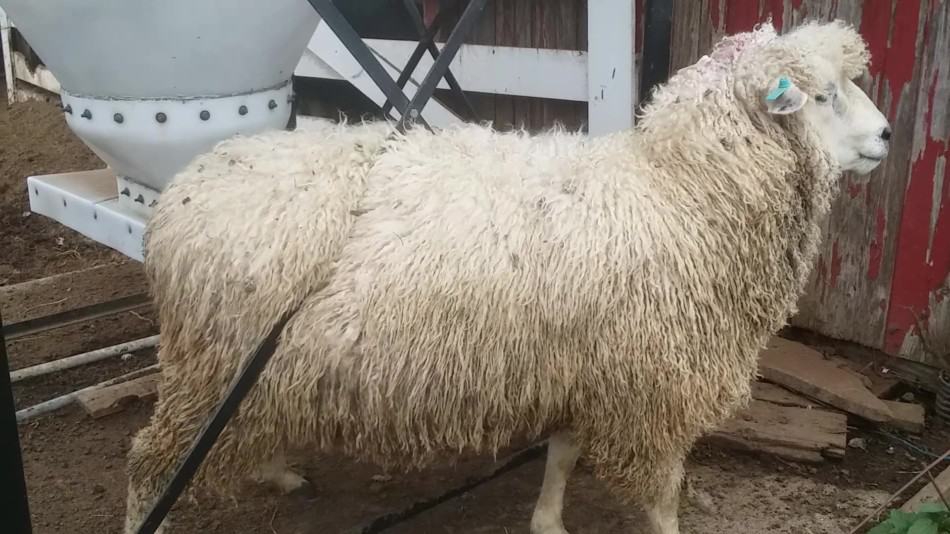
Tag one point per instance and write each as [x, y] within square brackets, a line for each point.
[410, 113]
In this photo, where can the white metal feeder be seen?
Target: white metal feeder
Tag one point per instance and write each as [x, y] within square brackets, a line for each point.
[149, 85]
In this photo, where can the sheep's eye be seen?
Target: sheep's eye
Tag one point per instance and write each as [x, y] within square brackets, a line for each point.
[821, 99]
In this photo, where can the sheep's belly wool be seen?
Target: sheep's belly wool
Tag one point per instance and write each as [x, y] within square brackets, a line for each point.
[458, 289]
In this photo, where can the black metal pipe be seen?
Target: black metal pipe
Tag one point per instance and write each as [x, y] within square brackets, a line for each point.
[15, 505]
[657, 35]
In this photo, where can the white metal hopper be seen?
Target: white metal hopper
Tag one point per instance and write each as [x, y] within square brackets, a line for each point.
[148, 85]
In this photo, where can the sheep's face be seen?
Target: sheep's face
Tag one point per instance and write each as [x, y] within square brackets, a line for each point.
[824, 59]
[853, 130]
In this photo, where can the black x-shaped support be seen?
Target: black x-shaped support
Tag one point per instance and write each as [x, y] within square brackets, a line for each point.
[409, 110]
[409, 113]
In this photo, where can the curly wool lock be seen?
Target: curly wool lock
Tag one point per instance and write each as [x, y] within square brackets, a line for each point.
[463, 289]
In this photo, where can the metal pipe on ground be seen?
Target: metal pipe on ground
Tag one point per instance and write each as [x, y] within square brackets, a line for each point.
[83, 359]
[54, 404]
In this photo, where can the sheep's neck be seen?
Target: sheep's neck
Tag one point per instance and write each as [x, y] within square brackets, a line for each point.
[755, 201]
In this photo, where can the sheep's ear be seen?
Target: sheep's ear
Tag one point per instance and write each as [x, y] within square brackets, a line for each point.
[785, 98]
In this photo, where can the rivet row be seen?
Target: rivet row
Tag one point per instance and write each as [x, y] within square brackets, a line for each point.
[161, 117]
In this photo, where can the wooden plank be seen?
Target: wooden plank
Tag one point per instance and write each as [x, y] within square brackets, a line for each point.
[506, 70]
[774, 394]
[6, 49]
[806, 371]
[906, 371]
[928, 493]
[728, 441]
[70, 291]
[506, 33]
[112, 399]
[795, 433]
[908, 416]
[612, 88]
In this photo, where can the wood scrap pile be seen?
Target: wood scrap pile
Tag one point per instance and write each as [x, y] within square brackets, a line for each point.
[801, 406]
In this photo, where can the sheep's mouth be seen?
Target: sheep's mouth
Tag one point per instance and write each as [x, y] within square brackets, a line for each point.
[871, 158]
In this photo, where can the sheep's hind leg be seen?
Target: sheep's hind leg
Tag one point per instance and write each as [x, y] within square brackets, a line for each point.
[562, 457]
[662, 511]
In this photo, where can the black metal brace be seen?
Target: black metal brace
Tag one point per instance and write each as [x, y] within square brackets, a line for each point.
[442, 60]
[409, 111]
[15, 506]
[427, 43]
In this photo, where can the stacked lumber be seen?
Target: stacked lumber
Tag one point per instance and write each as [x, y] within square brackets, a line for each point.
[800, 409]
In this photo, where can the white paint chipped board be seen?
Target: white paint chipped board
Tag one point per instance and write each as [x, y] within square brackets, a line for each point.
[806, 371]
[611, 84]
[502, 70]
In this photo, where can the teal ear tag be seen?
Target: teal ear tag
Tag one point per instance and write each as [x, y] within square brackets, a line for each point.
[783, 85]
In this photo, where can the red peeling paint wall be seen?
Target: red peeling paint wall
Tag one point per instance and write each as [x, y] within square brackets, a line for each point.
[921, 281]
[883, 275]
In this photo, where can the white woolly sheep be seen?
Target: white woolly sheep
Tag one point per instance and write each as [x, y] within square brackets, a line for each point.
[464, 288]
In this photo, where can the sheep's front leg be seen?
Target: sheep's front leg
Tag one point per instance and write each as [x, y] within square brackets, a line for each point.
[562, 456]
[663, 510]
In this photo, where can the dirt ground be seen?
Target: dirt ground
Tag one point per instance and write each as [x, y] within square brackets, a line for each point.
[75, 465]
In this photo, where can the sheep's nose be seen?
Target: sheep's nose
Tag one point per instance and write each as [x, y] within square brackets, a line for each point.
[886, 133]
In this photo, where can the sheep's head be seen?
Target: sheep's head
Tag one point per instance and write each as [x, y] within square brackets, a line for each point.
[809, 73]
